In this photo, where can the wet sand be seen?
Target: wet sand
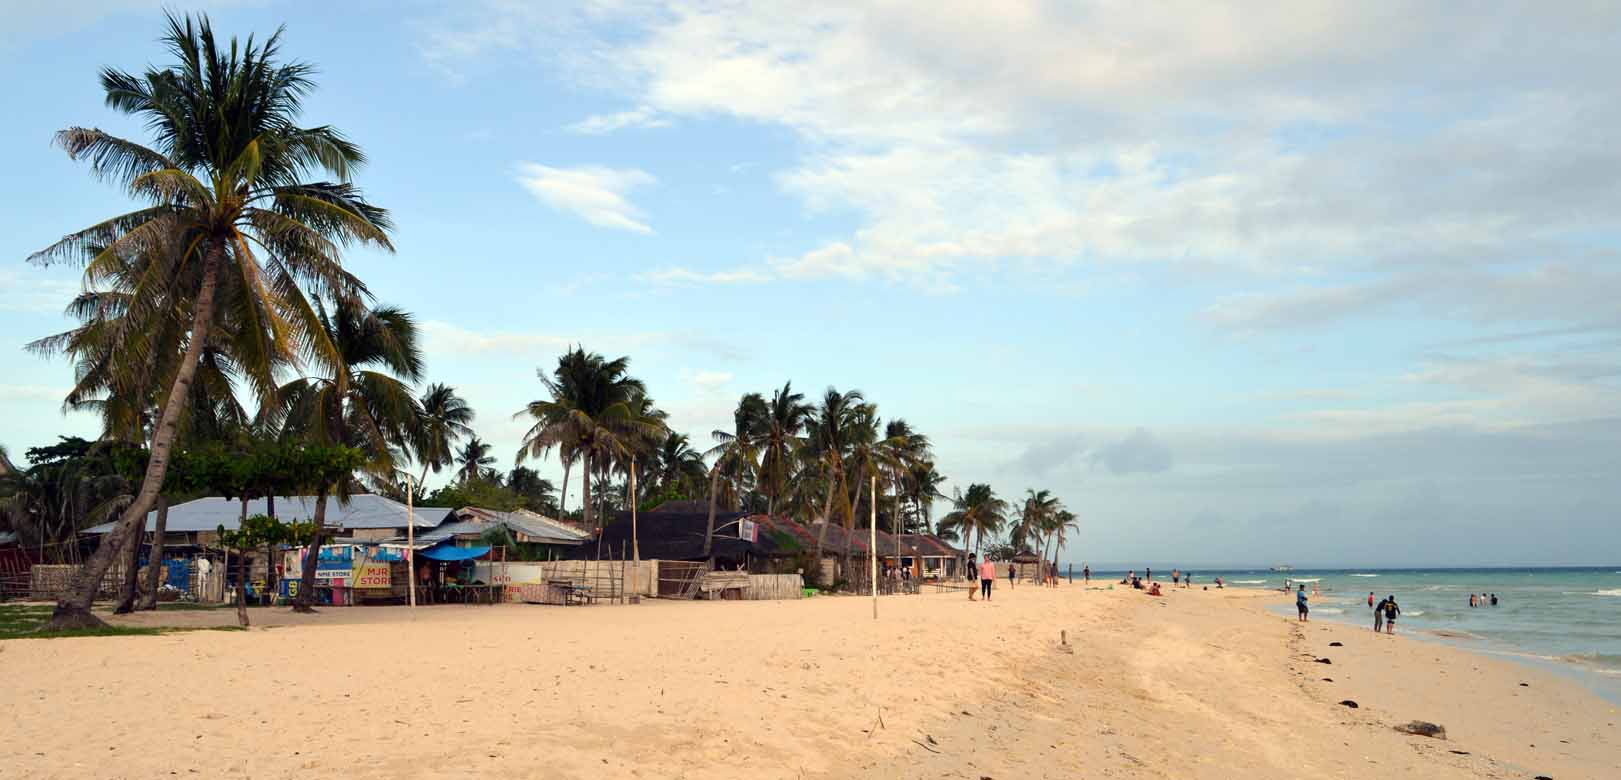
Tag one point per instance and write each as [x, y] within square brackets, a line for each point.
[1198, 684]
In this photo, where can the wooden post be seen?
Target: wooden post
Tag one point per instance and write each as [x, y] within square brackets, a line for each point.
[411, 540]
[872, 546]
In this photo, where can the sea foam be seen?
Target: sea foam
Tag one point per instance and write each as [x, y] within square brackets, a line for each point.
[1610, 592]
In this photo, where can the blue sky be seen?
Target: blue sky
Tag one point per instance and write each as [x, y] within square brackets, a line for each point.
[1336, 285]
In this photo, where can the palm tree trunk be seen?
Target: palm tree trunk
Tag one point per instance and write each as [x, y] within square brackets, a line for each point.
[242, 588]
[827, 517]
[585, 488]
[73, 609]
[709, 531]
[149, 598]
[306, 579]
[850, 520]
[562, 498]
[127, 592]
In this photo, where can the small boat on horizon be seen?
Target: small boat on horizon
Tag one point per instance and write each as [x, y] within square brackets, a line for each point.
[1283, 568]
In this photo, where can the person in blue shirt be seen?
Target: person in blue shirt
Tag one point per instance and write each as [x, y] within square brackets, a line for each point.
[1300, 602]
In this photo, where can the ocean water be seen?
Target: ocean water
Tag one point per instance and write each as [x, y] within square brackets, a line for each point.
[1570, 617]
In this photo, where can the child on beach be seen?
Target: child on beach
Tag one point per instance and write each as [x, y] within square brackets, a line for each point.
[1300, 602]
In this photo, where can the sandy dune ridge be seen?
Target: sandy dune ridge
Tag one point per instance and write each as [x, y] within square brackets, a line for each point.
[1199, 684]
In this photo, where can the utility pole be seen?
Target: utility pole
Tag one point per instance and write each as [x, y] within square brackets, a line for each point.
[872, 544]
[410, 539]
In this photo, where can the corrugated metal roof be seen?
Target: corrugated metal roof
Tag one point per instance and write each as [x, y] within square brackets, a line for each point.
[532, 526]
[362, 511]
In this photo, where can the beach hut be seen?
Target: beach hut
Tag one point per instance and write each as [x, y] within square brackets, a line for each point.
[931, 558]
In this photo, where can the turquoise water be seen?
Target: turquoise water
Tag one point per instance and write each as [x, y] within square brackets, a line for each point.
[1567, 616]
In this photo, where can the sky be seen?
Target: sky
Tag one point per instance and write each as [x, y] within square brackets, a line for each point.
[1332, 283]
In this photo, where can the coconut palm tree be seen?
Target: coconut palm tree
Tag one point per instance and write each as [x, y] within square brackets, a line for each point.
[362, 398]
[538, 493]
[787, 417]
[922, 488]
[444, 420]
[1058, 527]
[473, 458]
[1038, 508]
[676, 467]
[978, 512]
[737, 455]
[232, 216]
[592, 414]
[866, 457]
[828, 442]
[901, 450]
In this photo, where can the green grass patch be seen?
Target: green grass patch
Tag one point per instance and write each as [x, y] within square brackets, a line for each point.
[21, 621]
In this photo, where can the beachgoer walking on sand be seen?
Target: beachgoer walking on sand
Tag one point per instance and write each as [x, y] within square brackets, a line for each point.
[1378, 614]
[1300, 602]
[1176, 576]
[1086, 573]
[1148, 574]
[972, 571]
[1012, 573]
[1391, 611]
[1187, 579]
[987, 575]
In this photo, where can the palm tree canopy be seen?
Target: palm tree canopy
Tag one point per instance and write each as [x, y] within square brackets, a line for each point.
[474, 456]
[444, 420]
[225, 181]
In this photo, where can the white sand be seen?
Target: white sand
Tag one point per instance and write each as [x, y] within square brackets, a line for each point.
[1201, 684]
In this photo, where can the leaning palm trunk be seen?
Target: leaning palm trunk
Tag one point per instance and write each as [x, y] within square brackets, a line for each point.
[306, 579]
[149, 597]
[827, 516]
[562, 497]
[73, 609]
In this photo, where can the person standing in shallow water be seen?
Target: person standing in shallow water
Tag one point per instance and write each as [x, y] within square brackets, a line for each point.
[1378, 614]
[1391, 611]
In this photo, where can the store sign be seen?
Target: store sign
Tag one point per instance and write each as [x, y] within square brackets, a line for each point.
[372, 575]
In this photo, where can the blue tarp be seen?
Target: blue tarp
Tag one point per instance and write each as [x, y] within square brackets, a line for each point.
[446, 552]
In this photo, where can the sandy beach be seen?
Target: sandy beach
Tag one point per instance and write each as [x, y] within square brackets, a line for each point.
[1199, 684]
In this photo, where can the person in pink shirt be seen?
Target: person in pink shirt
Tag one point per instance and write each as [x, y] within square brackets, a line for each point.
[987, 575]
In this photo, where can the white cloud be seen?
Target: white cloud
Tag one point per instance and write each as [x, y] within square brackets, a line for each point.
[35, 290]
[678, 275]
[711, 381]
[32, 393]
[592, 193]
[1279, 149]
[602, 124]
[29, 21]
